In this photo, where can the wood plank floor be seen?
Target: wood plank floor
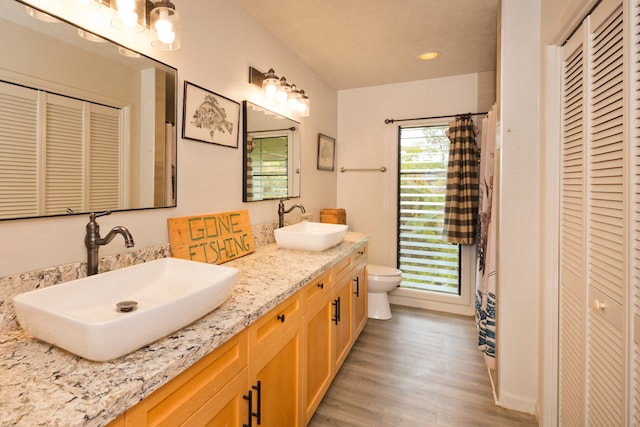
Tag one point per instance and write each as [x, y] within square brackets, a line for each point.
[421, 369]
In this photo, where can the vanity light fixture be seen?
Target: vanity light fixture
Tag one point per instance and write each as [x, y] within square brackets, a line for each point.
[270, 84]
[283, 91]
[304, 106]
[130, 15]
[84, 4]
[280, 92]
[164, 22]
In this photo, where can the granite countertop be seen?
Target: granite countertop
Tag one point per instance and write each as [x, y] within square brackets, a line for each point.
[43, 385]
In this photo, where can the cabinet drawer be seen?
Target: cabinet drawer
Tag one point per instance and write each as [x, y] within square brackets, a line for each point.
[360, 255]
[272, 325]
[178, 400]
[342, 268]
[317, 289]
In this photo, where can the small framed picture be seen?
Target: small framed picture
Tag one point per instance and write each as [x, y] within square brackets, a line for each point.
[209, 117]
[326, 153]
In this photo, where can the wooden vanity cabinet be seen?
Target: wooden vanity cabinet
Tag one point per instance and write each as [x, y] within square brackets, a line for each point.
[318, 334]
[275, 346]
[210, 390]
[275, 372]
[359, 291]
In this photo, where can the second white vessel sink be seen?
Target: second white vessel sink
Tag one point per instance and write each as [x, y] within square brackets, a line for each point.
[89, 316]
[310, 236]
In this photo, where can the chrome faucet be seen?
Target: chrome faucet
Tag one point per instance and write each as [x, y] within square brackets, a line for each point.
[282, 211]
[93, 241]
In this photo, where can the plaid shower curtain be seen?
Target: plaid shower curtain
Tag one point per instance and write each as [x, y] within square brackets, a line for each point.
[461, 203]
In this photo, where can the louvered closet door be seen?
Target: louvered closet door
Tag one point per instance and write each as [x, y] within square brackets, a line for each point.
[572, 240]
[594, 223]
[606, 219]
[18, 151]
[635, 399]
[105, 158]
[64, 159]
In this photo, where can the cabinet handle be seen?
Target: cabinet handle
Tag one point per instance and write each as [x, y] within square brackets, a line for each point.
[321, 285]
[281, 317]
[339, 309]
[357, 292]
[248, 397]
[336, 314]
[258, 388]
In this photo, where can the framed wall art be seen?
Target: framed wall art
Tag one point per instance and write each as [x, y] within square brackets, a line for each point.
[326, 153]
[209, 117]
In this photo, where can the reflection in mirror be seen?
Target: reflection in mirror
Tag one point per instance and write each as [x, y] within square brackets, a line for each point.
[85, 124]
[271, 148]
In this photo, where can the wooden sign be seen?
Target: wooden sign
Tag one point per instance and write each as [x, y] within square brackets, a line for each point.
[213, 238]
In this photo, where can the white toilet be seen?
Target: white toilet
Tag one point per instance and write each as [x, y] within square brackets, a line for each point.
[380, 281]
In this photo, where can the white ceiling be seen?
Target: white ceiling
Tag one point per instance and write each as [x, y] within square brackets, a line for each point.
[359, 43]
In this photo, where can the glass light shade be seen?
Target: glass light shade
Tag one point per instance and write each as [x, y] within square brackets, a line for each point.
[130, 15]
[304, 105]
[282, 95]
[270, 84]
[41, 16]
[84, 4]
[90, 36]
[165, 26]
[294, 99]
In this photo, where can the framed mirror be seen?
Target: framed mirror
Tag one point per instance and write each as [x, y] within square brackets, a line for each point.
[271, 155]
[85, 124]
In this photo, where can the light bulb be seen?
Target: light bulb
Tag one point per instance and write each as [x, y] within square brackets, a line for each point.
[164, 28]
[129, 15]
[270, 84]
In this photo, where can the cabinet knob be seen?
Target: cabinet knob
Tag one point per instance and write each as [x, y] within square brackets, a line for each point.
[321, 285]
[281, 317]
[598, 305]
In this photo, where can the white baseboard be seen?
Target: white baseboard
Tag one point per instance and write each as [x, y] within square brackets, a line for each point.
[432, 305]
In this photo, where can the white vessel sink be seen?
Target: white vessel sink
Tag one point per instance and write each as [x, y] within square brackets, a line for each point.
[81, 316]
[310, 236]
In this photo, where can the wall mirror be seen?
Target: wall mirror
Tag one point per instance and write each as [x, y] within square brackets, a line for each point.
[85, 124]
[271, 160]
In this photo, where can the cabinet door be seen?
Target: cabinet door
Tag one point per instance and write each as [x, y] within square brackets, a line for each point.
[341, 321]
[359, 296]
[181, 398]
[317, 361]
[228, 407]
[275, 374]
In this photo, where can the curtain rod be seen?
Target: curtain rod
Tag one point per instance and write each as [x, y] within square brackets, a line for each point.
[387, 121]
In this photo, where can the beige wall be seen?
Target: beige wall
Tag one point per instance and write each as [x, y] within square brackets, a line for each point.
[365, 141]
[220, 40]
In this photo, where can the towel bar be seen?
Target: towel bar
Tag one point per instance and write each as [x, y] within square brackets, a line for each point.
[382, 169]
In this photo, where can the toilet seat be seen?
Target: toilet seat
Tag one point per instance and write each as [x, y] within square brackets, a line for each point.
[382, 271]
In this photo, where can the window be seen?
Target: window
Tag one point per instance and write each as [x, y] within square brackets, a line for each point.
[269, 159]
[427, 262]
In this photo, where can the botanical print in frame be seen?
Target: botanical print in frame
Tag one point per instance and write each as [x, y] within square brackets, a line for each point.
[209, 117]
[326, 152]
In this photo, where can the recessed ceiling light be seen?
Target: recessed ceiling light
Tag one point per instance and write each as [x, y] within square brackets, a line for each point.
[427, 56]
